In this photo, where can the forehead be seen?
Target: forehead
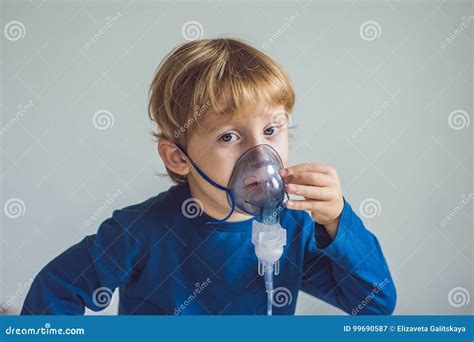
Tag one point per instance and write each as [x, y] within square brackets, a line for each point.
[213, 120]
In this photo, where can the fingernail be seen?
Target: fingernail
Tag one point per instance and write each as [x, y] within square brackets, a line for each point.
[282, 172]
[291, 188]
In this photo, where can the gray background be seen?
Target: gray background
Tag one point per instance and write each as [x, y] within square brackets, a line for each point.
[374, 107]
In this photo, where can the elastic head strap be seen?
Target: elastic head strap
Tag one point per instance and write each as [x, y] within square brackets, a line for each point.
[220, 187]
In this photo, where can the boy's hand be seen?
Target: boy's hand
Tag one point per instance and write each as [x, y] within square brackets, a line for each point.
[321, 189]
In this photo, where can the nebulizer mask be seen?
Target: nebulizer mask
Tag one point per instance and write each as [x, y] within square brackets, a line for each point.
[256, 188]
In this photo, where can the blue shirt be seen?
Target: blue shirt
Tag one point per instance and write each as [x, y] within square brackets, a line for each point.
[168, 263]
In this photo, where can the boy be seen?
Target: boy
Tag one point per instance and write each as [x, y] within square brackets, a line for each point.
[216, 99]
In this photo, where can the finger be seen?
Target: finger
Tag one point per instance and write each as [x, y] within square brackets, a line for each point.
[309, 167]
[309, 178]
[310, 205]
[312, 192]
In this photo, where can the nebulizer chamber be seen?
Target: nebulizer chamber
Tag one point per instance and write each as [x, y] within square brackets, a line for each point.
[257, 189]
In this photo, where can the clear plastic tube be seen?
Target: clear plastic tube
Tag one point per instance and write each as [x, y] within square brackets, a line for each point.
[268, 276]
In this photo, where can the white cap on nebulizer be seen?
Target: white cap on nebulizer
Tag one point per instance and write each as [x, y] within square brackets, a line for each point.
[269, 241]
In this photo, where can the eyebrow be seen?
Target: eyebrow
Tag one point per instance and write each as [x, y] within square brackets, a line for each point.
[215, 123]
[215, 127]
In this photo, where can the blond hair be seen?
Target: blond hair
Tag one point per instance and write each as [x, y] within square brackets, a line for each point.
[217, 74]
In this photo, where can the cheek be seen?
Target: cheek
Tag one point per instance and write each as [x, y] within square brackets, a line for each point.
[215, 162]
[284, 155]
[285, 161]
[218, 168]
[282, 148]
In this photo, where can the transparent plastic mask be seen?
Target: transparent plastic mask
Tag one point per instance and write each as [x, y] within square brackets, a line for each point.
[256, 183]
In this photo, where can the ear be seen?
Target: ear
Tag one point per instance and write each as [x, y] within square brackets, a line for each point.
[173, 157]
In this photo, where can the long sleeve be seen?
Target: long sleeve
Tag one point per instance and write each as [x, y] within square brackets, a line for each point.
[349, 272]
[86, 274]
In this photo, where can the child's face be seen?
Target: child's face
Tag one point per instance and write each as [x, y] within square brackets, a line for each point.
[219, 141]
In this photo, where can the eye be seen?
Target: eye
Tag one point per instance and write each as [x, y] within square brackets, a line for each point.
[271, 130]
[228, 137]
